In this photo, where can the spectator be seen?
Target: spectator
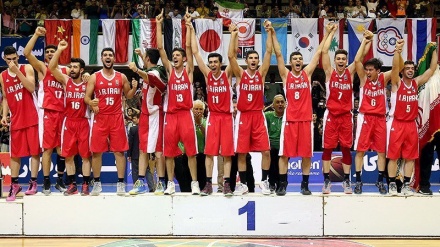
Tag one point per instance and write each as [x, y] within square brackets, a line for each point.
[93, 10]
[174, 14]
[202, 9]
[104, 10]
[65, 10]
[317, 93]
[339, 13]
[324, 11]
[430, 8]
[371, 8]
[392, 7]
[293, 11]
[54, 13]
[416, 10]
[359, 11]
[349, 9]
[308, 9]
[213, 15]
[276, 13]
[117, 10]
[384, 13]
[193, 12]
[321, 108]
[148, 10]
[129, 10]
[139, 14]
[25, 25]
[77, 12]
[41, 16]
[264, 12]
[157, 9]
[33, 8]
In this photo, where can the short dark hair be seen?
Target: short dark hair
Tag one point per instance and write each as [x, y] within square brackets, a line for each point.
[81, 62]
[295, 53]
[153, 54]
[341, 51]
[135, 114]
[251, 52]
[181, 50]
[51, 47]
[409, 62]
[375, 62]
[220, 58]
[9, 50]
[107, 49]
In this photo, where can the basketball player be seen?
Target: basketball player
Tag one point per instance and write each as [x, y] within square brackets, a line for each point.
[402, 132]
[179, 121]
[76, 126]
[108, 128]
[50, 110]
[220, 127]
[371, 122]
[296, 133]
[151, 119]
[18, 89]
[338, 119]
[250, 133]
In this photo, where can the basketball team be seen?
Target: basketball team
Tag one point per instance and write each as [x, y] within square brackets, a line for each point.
[77, 113]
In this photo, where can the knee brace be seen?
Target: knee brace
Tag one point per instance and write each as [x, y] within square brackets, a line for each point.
[346, 155]
[327, 154]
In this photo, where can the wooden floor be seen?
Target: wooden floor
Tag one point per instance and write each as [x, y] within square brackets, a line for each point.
[165, 242]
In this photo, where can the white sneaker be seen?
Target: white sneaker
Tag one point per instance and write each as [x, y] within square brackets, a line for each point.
[97, 189]
[171, 188]
[241, 189]
[120, 189]
[392, 189]
[265, 187]
[406, 190]
[195, 188]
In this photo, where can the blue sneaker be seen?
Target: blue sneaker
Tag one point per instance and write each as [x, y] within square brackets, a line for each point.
[138, 188]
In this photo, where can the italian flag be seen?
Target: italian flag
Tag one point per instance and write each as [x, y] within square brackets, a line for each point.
[144, 36]
[115, 35]
[85, 40]
[229, 10]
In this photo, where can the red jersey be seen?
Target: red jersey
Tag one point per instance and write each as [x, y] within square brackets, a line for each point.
[219, 93]
[298, 93]
[179, 93]
[109, 93]
[51, 92]
[250, 92]
[22, 104]
[74, 101]
[372, 97]
[404, 102]
[339, 93]
[151, 99]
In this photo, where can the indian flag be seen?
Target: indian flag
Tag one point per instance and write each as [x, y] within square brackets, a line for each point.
[85, 40]
[229, 10]
[144, 36]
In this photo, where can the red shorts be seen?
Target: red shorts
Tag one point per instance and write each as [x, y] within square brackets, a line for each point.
[151, 132]
[50, 124]
[24, 142]
[371, 133]
[75, 137]
[179, 126]
[337, 129]
[219, 134]
[108, 131]
[403, 139]
[296, 139]
[250, 132]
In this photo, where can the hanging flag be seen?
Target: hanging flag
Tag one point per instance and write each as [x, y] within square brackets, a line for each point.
[115, 35]
[420, 32]
[57, 30]
[246, 35]
[356, 28]
[174, 33]
[389, 30]
[428, 121]
[338, 38]
[210, 36]
[144, 36]
[305, 37]
[229, 10]
[85, 40]
[280, 26]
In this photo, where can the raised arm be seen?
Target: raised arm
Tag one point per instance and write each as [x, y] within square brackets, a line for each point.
[358, 60]
[159, 40]
[280, 60]
[27, 52]
[397, 66]
[129, 90]
[53, 64]
[189, 56]
[269, 47]
[195, 51]
[423, 78]
[326, 63]
[232, 56]
[315, 59]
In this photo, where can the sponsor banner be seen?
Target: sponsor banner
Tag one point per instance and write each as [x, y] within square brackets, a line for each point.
[19, 44]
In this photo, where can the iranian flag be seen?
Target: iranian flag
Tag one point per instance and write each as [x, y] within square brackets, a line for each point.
[229, 10]
[115, 35]
[85, 40]
[144, 36]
